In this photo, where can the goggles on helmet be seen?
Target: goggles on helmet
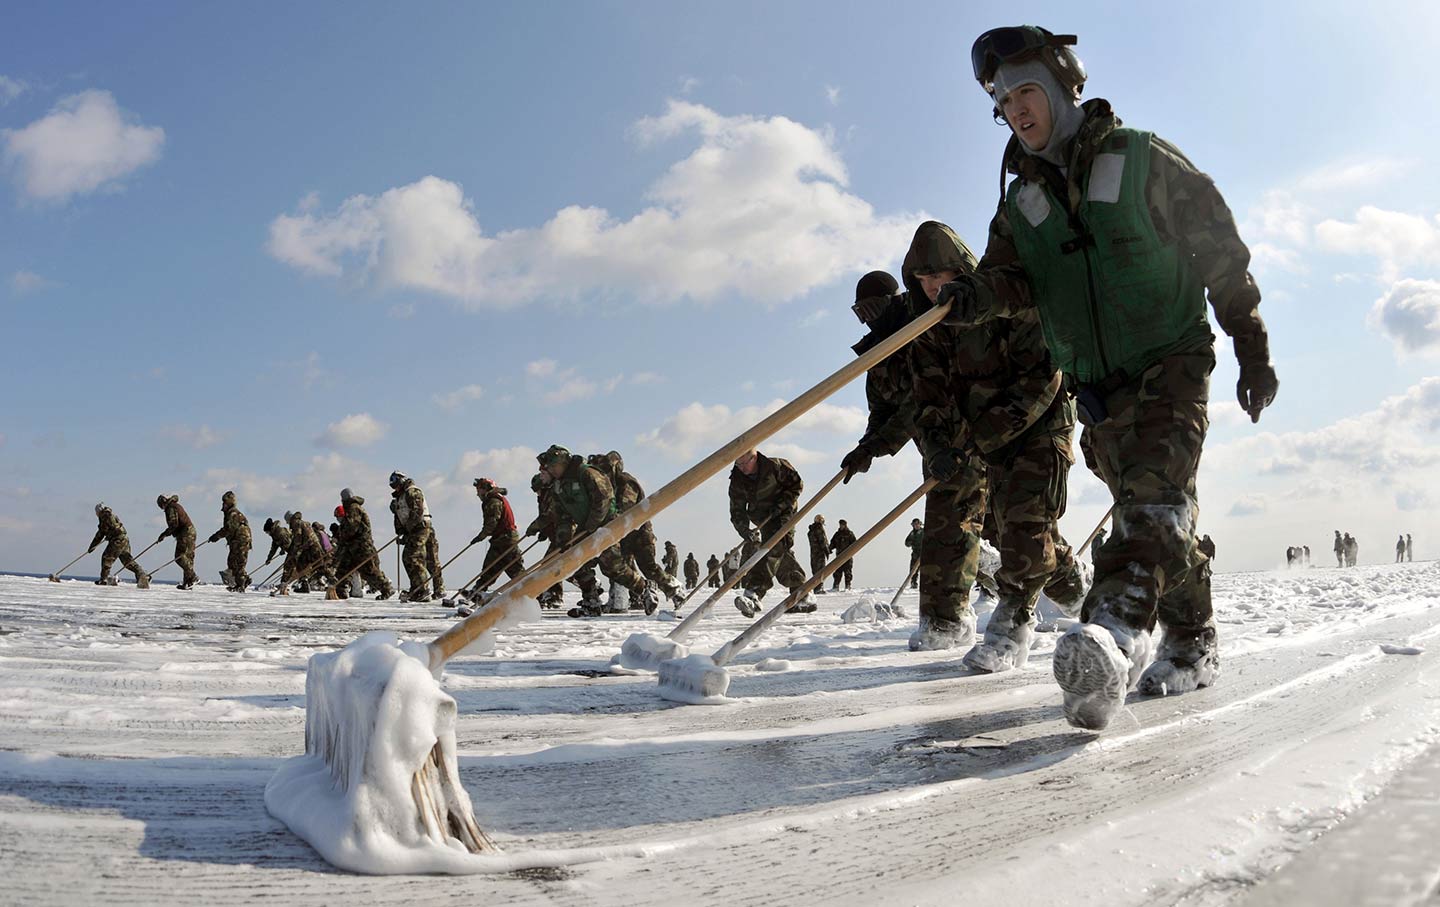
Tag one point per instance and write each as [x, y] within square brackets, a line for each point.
[1008, 44]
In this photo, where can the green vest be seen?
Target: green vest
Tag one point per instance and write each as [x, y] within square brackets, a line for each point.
[573, 495]
[1112, 296]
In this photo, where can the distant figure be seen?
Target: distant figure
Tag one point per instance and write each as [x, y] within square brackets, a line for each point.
[1352, 550]
[1099, 540]
[913, 541]
[1307, 554]
[1207, 547]
[1339, 550]
[1409, 548]
[1290, 558]
[731, 565]
[1400, 550]
[819, 548]
[839, 543]
[692, 571]
[713, 565]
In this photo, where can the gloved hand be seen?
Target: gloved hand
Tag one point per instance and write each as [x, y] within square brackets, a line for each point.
[214, 538]
[160, 538]
[478, 539]
[91, 548]
[400, 539]
[1258, 384]
[943, 464]
[856, 462]
[962, 294]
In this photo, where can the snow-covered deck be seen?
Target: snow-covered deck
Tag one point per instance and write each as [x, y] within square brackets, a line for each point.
[138, 731]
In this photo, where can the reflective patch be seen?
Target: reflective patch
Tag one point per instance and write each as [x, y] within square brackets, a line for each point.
[1033, 204]
[1105, 176]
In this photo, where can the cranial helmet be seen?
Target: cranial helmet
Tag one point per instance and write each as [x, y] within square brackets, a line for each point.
[100, 507]
[397, 477]
[269, 523]
[227, 498]
[160, 500]
[553, 454]
[346, 495]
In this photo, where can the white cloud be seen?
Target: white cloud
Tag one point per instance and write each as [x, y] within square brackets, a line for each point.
[1409, 314]
[511, 467]
[198, 438]
[83, 144]
[832, 95]
[688, 84]
[1396, 239]
[459, 397]
[10, 89]
[23, 283]
[1249, 505]
[572, 387]
[355, 430]
[814, 318]
[541, 368]
[315, 489]
[643, 378]
[314, 373]
[402, 310]
[1280, 216]
[760, 208]
[697, 425]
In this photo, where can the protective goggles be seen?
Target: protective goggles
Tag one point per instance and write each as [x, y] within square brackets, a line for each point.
[1008, 44]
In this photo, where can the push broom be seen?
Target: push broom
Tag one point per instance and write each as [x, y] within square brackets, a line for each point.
[646, 651]
[378, 789]
[703, 679]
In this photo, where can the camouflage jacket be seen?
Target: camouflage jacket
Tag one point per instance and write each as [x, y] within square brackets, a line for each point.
[915, 540]
[176, 519]
[712, 564]
[1185, 207]
[305, 544]
[768, 495]
[280, 540]
[407, 503]
[889, 385]
[111, 530]
[499, 520]
[819, 541]
[356, 534]
[234, 530]
[546, 524]
[692, 567]
[978, 386]
[842, 539]
[584, 495]
[672, 558]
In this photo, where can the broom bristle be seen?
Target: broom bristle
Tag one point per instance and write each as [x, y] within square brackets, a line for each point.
[646, 652]
[694, 680]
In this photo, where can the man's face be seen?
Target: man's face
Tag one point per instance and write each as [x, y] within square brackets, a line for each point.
[1027, 110]
[747, 462]
[931, 283]
[556, 468]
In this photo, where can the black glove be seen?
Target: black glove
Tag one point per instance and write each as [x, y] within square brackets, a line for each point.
[1258, 385]
[91, 548]
[478, 539]
[856, 462]
[400, 539]
[943, 464]
[214, 538]
[1256, 388]
[160, 538]
[962, 294]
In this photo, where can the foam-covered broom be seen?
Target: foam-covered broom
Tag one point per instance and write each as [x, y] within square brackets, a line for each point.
[378, 789]
[704, 680]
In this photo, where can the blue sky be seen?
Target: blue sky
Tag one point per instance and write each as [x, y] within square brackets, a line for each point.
[288, 249]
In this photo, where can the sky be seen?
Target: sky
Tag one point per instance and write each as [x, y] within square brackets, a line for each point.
[287, 249]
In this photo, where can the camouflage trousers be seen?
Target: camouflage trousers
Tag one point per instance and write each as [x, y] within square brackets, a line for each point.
[414, 556]
[1027, 498]
[950, 550]
[714, 582]
[692, 578]
[237, 562]
[501, 557]
[432, 562]
[119, 550]
[614, 565]
[365, 564]
[185, 554]
[819, 557]
[845, 571]
[778, 565]
[307, 564]
[1148, 453]
[639, 547]
[915, 568]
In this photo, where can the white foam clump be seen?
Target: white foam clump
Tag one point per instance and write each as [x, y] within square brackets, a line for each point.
[773, 664]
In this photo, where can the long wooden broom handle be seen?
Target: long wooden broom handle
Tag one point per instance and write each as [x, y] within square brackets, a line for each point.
[463, 633]
[373, 555]
[71, 564]
[516, 553]
[136, 557]
[680, 632]
[905, 582]
[1096, 531]
[738, 644]
[509, 583]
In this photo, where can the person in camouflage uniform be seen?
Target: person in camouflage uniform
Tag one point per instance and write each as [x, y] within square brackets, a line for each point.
[639, 546]
[1113, 238]
[914, 541]
[672, 560]
[546, 526]
[499, 528]
[763, 495]
[412, 525]
[1207, 548]
[179, 525]
[692, 571]
[819, 541]
[991, 395]
[839, 542]
[117, 546]
[433, 564]
[235, 530]
[585, 497]
[355, 552]
[306, 559]
[954, 509]
[713, 566]
[279, 539]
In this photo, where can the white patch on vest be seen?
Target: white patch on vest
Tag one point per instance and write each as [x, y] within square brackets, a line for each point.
[1033, 204]
[1105, 177]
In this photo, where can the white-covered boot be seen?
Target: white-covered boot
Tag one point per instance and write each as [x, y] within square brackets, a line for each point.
[747, 604]
[1006, 644]
[936, 633]
[1185, 661]
[1095, 666]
